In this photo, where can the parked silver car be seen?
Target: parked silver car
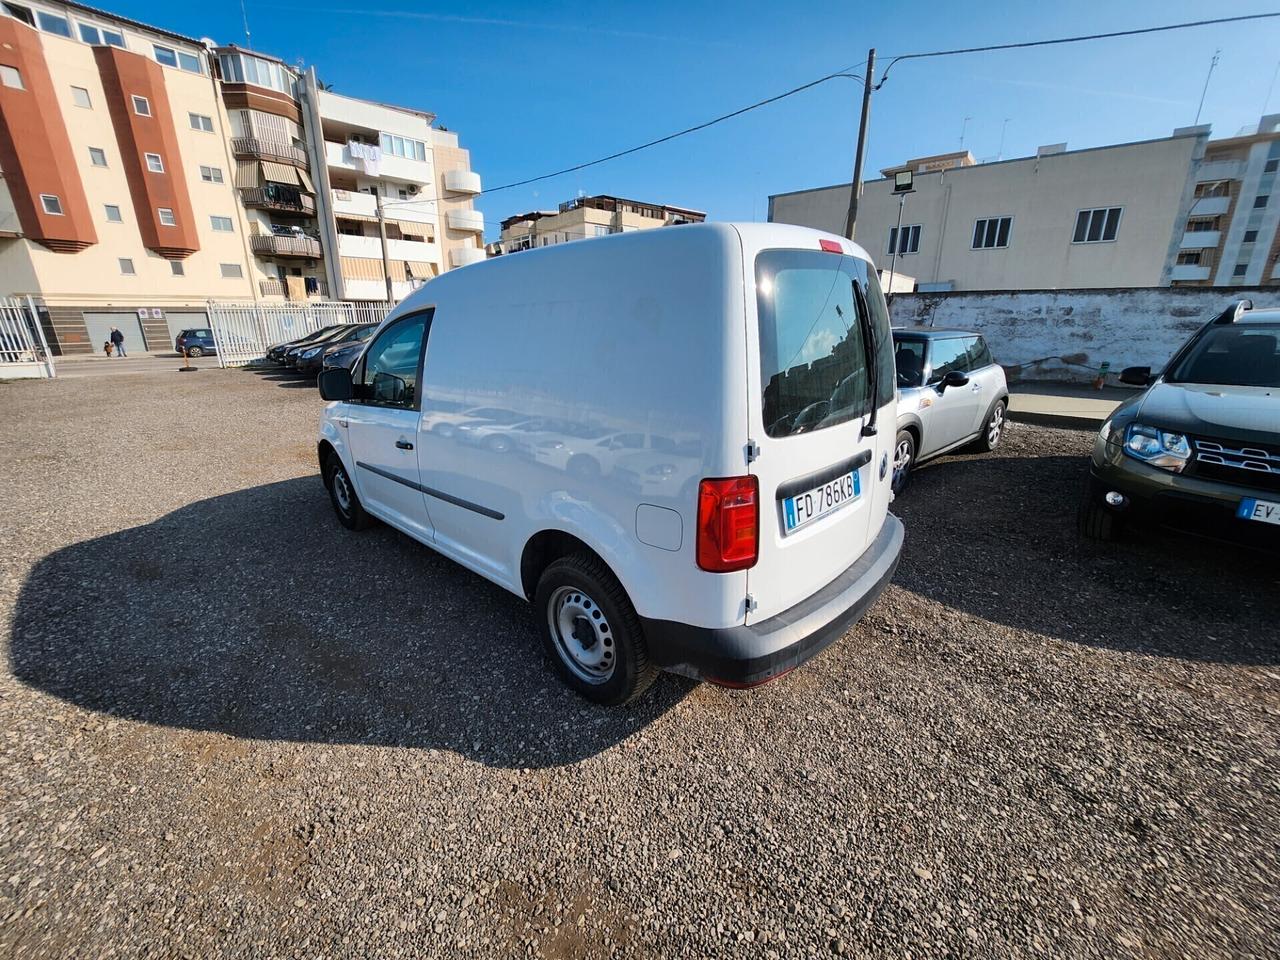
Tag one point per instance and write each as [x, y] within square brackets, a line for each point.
[950, 393]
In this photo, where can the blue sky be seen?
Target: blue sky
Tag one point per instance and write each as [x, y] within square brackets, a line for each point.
[533, 87]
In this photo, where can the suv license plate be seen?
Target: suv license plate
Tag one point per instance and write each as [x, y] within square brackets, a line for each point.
[1261, 510]
[821, 500]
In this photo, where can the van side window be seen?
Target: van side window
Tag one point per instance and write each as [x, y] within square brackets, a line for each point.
[948, 355]
[388, 375]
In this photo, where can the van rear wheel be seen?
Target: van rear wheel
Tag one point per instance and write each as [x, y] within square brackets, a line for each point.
[591, 632]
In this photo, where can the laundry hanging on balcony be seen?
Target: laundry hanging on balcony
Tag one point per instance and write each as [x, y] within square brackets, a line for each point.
[369, 153]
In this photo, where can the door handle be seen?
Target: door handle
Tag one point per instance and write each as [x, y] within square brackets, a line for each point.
[404, 445]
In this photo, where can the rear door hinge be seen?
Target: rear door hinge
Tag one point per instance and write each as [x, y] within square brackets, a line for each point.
[753, 451]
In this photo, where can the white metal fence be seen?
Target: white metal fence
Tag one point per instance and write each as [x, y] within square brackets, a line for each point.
[243, 331]
[24, 352]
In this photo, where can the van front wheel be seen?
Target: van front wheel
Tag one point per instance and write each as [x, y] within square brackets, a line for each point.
[342, 494]
[591, 631]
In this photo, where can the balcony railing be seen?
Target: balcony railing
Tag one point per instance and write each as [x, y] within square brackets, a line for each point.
[271, 245]
[268, 150]
[315, 287]
[274, 198]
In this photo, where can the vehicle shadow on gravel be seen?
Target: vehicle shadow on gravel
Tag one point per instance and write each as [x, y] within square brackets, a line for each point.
[255, 614]
[995, 536]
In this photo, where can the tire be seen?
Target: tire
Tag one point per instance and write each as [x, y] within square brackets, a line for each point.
[590, 631]
[1094, 521]
[195, 352]
[993, 429]
[342, 494]
[584, 467]
[904, 458]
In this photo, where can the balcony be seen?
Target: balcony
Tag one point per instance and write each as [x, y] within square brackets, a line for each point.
[1189, 271]
[271, 245]
[317, 289]
[370, 248]
[470, 221]
[1200, 240]
[1210, 206]
[255, 149]
[461, 256]
[338, 157]
[1219, 170]
[462, 181]
[281, 201]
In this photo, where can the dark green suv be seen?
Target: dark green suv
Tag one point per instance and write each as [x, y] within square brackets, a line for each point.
[1199, 449]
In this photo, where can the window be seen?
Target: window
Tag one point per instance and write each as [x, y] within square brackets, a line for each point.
[177, 268]
[1271, 166]
[231, 271]
[1250, 236]
[1260, 202]
[1189, 258]
[141, 106]
[52, 205]
[211, 174]
[89, 34]
[600, 230]
[200, 122]
[1216, 188]
[113, 39]
[10, 77]
[1246, 355]
[908, 357]
[388, 374]
[167, 218]
[189, 62]
[1201, 226]
[222, 224]
[1097, 226]
[154, 163]
[126, 266]
[946, 356]
[907, 242]
[992, 232]
[813, 309]
[1240, 270]
[403, 147]
[20, 13]
[80, 97]
[52, 23]
[97, 156]
[165, 55]
[113, 214]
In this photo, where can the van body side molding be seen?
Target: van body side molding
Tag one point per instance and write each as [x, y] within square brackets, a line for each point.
[819, 477]
[431, 492]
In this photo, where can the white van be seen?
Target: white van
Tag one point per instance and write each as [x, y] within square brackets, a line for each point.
[675, 443]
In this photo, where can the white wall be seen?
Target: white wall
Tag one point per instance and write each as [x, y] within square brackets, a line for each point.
[1123, 327]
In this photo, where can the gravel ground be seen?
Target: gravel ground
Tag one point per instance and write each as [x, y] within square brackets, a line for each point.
[230, 728]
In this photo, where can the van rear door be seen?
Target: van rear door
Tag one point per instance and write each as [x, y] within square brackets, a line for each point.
[809, 391]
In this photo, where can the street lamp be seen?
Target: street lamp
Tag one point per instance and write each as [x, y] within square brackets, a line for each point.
[903, 182]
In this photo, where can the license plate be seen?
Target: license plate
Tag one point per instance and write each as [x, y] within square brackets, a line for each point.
[1261, 510]
[821, 500]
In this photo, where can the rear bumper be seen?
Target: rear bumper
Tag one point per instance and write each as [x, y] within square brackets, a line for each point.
[751, 654]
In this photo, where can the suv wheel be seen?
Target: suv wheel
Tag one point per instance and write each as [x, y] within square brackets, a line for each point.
[591, 631]
[993, 429]
[342, 494]
[904, 458]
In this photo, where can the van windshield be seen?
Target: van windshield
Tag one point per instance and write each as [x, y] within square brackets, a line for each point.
[812, 347]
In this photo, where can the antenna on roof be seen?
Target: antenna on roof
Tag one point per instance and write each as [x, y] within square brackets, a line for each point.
[964, 128]
[1212, 63]
[244, 15]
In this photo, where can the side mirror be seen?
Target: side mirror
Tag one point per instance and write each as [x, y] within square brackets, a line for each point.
[335, 384]
[1136, 376]
[955, 378]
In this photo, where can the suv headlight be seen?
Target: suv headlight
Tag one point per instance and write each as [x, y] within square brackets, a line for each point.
[1160, 448]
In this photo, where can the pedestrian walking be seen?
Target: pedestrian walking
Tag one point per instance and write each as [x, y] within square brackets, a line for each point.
[118, 339]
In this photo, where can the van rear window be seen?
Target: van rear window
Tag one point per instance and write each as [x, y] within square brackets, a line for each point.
[813, 356]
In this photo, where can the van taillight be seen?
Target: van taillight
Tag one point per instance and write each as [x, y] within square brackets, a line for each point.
[728, 524]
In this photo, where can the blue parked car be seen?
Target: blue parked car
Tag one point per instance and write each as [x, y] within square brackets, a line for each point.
[197, 342]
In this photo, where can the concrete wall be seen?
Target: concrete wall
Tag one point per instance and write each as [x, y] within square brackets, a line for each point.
[1081, 328]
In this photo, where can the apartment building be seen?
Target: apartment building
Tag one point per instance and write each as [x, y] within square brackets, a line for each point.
[585, 217]
[146, 173]
[1138, 214]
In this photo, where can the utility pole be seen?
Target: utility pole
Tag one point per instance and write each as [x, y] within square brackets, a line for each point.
[851, 220]
[382, 235]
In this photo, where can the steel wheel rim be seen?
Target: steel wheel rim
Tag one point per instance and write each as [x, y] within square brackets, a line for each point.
[901, 461]
[996, 426]
[342, 490]
[582, 635]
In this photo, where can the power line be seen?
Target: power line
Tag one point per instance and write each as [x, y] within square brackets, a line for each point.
[673, 136]
[843, 73]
